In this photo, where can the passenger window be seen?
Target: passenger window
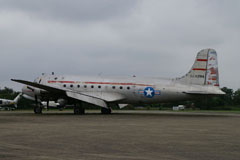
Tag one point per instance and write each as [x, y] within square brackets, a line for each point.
[78, 86]
[99, 86]
[121, 87]
[128, 87]
[85, 86]
[71, 85]
[92, 86]
[113, 87]
[64, 85]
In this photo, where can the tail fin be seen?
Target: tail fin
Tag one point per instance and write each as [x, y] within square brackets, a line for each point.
[17, 99]
[204, 70]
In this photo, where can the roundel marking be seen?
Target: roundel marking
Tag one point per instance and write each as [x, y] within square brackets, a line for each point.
[149, 92]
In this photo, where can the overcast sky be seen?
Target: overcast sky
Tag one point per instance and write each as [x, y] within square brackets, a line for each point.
[116, 37]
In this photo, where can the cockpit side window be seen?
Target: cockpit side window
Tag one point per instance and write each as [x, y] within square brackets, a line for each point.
[36, 80]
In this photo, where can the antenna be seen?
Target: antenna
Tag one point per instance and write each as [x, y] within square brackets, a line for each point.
[99, 74]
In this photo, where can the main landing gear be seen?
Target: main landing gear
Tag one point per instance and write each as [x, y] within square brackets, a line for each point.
[38, 108]
[79, 109]
[106, 110]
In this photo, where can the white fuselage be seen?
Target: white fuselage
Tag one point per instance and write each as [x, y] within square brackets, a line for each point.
[6, 102]
[130, 90]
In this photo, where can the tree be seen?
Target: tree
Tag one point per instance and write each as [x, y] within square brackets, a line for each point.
[7, 93]
[236, 97]
[227, 99]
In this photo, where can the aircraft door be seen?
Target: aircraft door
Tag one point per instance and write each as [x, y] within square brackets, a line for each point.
[136, 94]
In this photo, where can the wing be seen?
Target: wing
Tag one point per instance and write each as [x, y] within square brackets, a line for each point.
[97, 98]
[40, 86]
[106, 96]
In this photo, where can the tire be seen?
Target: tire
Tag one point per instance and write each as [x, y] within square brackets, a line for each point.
[78, 109]
[38, 110]
[106, 110]
[82, 111]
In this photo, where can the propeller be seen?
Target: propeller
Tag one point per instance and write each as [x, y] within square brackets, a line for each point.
[47, 104]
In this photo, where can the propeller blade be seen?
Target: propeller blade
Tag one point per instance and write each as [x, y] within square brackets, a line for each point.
[47, 104]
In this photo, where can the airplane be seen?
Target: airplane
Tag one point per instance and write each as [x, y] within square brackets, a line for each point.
[6, 103]
[50, 104]
[202, 80]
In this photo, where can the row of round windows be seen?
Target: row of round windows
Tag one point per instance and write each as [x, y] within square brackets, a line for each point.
[92, 86]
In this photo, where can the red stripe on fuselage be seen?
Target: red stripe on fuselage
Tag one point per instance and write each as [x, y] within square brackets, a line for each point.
[61, 82]
[109, 83]
[116, 83]
[203, 60]
[199, 69]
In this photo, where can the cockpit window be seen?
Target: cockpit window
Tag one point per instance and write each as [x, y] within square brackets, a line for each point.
[37, 80]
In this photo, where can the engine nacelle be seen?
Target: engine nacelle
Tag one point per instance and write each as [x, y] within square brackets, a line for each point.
[62, 102]
[31, 91]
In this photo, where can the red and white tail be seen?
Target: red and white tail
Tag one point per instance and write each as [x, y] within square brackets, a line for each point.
[204, 70]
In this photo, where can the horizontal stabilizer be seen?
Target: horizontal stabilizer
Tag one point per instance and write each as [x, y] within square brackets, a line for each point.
[219, 92]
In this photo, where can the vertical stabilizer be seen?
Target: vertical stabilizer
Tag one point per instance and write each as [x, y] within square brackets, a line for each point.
[17, 98]
[204, 70]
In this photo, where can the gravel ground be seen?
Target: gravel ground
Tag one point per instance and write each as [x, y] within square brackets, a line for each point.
[122, 135]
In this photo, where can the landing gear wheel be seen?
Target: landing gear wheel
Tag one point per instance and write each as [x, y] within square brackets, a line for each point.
[106, 110]
[38, 110]
[82, 110]
[78, 109]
